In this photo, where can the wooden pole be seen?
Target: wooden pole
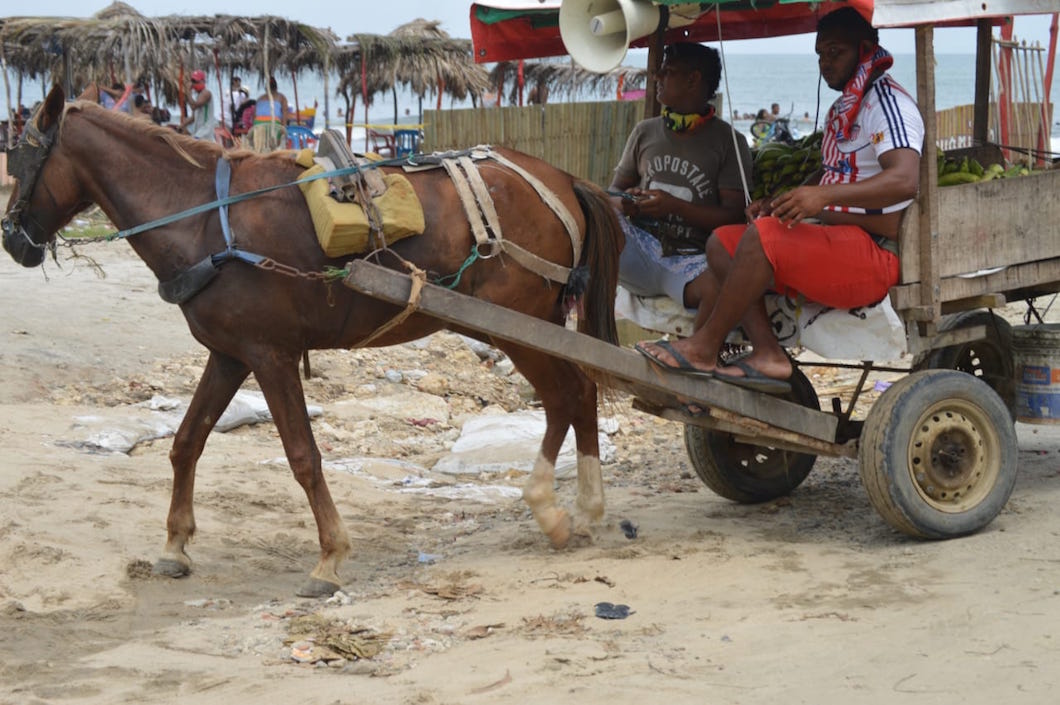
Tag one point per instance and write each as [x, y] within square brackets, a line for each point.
[656, 44]
[928, 226]
[327, 92]
[981, 118]
[297, 116]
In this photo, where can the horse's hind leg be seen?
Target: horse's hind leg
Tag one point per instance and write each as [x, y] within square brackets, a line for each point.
[569, 399]
[282, 387]
[219, 382]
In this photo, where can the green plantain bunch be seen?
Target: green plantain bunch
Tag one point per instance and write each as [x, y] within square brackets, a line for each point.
[953, 171]
[780, 167]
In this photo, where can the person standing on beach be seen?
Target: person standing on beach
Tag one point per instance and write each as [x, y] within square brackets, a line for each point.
[832, 242]
[270, 114]
[680, 176]
[237, 96]
[201, 120]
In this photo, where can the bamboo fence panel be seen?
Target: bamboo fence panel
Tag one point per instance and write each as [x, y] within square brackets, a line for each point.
[584, 139]
[1025, 121]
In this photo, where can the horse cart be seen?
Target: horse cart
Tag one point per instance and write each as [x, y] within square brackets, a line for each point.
[937, 451]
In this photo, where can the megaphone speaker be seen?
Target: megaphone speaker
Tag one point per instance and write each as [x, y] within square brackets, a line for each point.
[596, 33]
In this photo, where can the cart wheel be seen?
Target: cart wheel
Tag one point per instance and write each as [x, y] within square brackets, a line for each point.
[938, 454]
[749, 473]
[989, 359]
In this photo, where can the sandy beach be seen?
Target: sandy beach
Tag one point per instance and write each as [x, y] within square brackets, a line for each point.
[452, 595]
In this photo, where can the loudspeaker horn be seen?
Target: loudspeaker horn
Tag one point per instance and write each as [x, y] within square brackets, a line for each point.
[596, 33]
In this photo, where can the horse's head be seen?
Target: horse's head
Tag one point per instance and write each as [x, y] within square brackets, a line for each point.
[37, 208]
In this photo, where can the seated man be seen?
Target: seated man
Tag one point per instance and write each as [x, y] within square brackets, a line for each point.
[681, 178]
[871, 167]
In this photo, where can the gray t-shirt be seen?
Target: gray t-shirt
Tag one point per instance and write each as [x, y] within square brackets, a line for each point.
[691, 167]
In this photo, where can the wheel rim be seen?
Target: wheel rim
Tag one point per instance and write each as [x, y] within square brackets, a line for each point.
[954, 456]
[756, 461]
[982, 360]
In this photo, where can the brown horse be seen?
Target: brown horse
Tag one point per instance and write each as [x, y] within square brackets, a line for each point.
[255, 319]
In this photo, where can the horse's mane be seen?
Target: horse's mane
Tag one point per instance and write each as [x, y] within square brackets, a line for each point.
[197, 153]
[193, 151]
[187, 147]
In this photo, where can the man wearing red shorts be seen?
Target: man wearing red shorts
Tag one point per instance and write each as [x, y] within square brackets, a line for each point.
[846, 257]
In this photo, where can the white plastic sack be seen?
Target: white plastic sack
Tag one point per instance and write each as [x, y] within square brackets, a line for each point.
[868, 333]
[498, 443]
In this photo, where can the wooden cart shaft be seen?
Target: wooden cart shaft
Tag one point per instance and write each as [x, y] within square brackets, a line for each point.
[765, 417]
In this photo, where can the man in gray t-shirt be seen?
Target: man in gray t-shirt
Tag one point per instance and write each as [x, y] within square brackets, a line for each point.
[681, 178]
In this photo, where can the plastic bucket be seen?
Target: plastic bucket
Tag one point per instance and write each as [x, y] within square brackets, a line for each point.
[1036, 357]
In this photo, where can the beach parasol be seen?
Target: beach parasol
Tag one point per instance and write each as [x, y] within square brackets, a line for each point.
[566, 79]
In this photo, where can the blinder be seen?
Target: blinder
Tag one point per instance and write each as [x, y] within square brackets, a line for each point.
[25, 163]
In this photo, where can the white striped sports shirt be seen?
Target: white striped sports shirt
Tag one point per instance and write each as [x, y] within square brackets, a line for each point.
[888, 119]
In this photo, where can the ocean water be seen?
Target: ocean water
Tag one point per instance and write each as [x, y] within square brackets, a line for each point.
[750, 82]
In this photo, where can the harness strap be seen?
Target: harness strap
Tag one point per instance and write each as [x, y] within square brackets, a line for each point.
[221, 180]
[482, 195]
[551, 200]
[482, 214]
[538, 265]
[467, 199]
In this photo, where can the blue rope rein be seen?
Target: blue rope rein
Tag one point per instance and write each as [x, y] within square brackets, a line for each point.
[227, 200]
[223, 200]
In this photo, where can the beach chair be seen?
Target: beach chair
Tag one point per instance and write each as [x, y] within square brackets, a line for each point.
[382, 143]
[299, 137]
[406, 142]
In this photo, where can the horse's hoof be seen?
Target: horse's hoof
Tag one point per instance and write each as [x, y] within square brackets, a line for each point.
[560, 534]
[315, 587]
[171, 568]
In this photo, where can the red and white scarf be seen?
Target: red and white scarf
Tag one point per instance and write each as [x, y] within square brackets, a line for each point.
[873, 64]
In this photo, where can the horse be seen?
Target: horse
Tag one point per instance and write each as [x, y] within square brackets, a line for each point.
[252, 318]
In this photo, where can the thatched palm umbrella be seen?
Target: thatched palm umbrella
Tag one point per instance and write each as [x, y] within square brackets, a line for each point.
[117, 41]
[265, 44]
[565, 78]
[158, 49]
[418, 55]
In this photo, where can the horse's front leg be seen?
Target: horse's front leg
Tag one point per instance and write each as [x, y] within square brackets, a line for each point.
[217, 386]
[283, 391]
[569, 399]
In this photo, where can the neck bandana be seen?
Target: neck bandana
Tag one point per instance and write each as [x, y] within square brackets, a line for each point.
[686, 122]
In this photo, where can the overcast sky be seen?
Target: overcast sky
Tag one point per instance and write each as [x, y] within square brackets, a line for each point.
[381, 16]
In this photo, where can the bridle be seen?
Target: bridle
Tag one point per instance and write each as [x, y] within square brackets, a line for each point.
[25, 163]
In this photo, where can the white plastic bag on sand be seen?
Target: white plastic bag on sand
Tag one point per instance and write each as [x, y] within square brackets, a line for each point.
[502, 442]
[249, 407]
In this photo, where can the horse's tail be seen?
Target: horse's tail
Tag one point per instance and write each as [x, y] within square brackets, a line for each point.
[603, 244]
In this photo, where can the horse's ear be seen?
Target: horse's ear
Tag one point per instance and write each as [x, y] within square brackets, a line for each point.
[52, 111]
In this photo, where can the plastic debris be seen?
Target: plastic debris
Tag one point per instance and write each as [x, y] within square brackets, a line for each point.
[607, 610]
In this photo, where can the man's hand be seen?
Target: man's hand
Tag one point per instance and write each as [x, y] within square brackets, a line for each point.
[798, 204]
[654, 203]
[759, 208]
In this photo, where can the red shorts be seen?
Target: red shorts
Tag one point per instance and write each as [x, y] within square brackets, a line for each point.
[835, 265]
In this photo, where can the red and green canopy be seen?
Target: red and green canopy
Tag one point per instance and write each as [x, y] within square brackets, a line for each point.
[505, 30]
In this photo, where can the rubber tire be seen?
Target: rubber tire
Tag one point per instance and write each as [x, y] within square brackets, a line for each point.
[990, 359]
[748, 473]
[929, 411]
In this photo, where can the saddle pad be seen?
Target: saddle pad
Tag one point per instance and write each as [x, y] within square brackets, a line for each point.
[344, 229]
